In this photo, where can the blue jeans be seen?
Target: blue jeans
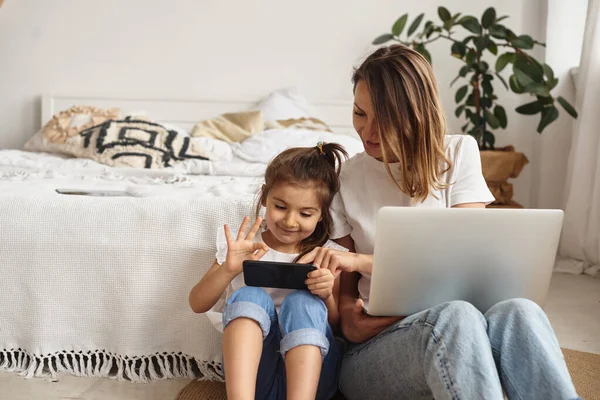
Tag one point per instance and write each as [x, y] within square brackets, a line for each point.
[453, 351]
[302, 321]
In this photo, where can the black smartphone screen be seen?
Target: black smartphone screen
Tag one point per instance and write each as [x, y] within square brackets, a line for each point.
[276, 274]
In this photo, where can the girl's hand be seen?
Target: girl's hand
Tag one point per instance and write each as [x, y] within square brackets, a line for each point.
[337, 261]
[243, 248]
[320, 283]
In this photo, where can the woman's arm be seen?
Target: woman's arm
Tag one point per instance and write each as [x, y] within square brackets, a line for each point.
[357, 326]
[207, 292]
[332, 304]
[469, 205]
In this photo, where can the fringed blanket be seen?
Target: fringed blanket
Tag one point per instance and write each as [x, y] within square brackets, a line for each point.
[98, 287]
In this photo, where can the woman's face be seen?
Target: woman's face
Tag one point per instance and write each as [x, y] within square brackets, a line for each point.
[364, 120]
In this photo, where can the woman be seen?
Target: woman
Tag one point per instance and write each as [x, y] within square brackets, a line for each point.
[451, 351]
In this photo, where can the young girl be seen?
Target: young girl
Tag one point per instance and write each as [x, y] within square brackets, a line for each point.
[279, 341]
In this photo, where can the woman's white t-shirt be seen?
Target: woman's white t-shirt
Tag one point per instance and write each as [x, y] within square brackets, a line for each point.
[366, 186]
[215, 315]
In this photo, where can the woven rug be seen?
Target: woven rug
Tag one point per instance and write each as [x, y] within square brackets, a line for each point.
[584, 368]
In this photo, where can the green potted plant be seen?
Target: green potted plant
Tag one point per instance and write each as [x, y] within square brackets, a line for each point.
[487, 39]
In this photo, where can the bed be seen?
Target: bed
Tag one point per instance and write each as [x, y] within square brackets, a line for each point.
[97, 286]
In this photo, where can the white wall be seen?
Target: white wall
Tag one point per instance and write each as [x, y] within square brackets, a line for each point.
[565, 26]
[192, 49]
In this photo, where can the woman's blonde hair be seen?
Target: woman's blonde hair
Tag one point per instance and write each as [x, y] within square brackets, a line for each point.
[408, 117]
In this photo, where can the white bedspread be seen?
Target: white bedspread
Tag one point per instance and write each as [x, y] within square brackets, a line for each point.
[98, 286]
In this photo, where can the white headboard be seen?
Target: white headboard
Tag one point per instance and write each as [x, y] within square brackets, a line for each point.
[185, 113]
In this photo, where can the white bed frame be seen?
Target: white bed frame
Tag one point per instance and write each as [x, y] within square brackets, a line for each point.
[185, 113]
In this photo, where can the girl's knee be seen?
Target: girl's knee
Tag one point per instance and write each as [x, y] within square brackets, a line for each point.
[302, 301]
[302, 310]
[254, 295]
[252, 303]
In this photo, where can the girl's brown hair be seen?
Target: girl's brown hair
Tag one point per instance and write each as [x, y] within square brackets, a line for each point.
[408, 116]
[315, 167]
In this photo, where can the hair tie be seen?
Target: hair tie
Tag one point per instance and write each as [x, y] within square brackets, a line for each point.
[320, 147]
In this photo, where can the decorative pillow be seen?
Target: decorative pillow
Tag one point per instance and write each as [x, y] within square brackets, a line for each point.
[70, 122]
[284, 104]
[299, 123]
[230, 127]
[135, 143]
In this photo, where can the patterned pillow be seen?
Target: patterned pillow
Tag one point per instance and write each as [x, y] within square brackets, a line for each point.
[136, 143]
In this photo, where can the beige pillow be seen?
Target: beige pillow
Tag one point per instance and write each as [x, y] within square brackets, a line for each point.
[54, 136]
[299, 123]
[69, 123]
[230, 127]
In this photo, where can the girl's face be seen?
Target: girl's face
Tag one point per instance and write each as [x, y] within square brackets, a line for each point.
[364, 120]
[292, 214]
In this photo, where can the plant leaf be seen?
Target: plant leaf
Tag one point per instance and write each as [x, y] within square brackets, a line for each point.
[488, 17]
[483, 66]
[491, 119]
[448, 25]
[522, 78]
[458, 50]
[489, 138]
[487, 88]
[502, 80]
[514, 84]
[399, 25]
[468, 39]
[461, 93]
[471, 56]
[501, 18]
[480, 42]
[530, 108]
[423, 51]
[500, 114]
[548, 72]
[415, 24]
[475, 119]
[444, 14]
[503, 60]
[459, 111]
[471, 24]
[553, 83]
[530, 66]
[492, 47]
[464, 70]
[549, 115]
[523, 42]
[429, 29]
[498, 31]
[383, 38]
[567, 106]
[538, 89]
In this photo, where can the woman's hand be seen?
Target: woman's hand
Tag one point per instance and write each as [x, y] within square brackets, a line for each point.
[243, 248]
[337, 261]
[358, 327]
[320, 283]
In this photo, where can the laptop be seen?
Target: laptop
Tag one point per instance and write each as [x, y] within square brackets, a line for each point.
[425, 257]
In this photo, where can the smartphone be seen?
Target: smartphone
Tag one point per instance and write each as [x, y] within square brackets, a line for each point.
[95, 193]
[276, 274]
